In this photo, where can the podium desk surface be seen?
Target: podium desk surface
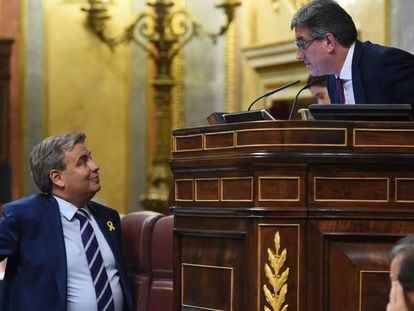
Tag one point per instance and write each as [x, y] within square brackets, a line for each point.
[321, 140]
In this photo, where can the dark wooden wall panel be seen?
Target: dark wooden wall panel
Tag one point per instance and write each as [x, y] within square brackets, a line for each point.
[212, 276]
[5, 174]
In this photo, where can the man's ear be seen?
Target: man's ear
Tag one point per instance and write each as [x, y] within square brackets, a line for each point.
[56, 178]
[330, 42]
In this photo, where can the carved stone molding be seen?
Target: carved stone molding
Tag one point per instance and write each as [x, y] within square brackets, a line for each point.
[276, 65]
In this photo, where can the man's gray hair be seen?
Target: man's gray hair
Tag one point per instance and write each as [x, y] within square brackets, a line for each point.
[326, 16]
[50, 154]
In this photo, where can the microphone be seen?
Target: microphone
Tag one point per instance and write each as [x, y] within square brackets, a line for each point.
[272, 92]
[300, 91]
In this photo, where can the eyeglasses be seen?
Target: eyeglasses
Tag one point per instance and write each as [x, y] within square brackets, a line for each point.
[303, 45]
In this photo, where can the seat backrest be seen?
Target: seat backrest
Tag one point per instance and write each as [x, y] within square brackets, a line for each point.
[137, 230]
[161, 288]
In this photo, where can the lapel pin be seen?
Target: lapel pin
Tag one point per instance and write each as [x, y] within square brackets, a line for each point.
[110, 225]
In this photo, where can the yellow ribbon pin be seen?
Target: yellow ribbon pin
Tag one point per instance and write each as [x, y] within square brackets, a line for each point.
[110, 225]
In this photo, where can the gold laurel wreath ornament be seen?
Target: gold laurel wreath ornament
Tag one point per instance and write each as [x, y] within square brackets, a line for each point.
[276, 296]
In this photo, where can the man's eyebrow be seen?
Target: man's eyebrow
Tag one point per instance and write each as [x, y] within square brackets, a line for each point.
[83, 156]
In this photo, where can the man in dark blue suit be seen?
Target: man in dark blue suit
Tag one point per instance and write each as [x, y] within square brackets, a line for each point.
[359, 72]
[40, 235]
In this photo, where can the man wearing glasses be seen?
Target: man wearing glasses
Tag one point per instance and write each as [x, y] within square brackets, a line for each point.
[358, 72]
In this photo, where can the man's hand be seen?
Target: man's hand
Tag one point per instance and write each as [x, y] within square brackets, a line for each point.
[397, 298]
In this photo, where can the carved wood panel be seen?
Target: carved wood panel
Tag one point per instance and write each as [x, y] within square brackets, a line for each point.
[351, 259]
[212, 270]
[290, 243]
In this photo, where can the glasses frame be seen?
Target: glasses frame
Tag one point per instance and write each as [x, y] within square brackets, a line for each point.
[304, 45]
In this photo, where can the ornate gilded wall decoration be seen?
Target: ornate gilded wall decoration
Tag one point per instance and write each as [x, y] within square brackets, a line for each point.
[293, 5]
[276, 295]
[84, 1]
[162, 31]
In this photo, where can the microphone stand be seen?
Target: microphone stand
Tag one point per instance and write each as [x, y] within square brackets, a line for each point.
[272, 92]
[300, 91]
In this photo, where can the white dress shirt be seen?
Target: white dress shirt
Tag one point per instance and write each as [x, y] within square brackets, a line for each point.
[346, 76]
[81, 294]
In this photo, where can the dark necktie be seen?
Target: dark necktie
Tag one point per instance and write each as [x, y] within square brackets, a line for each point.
[340, 91]
[103, 290]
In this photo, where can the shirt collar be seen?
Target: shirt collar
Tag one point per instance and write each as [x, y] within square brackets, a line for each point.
[346, 71]
[67, 209]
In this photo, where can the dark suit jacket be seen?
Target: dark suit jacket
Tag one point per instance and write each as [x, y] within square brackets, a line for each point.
[31, 236]
[380, 75]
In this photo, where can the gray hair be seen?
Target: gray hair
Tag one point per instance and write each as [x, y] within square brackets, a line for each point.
[405, 249]
[326, 16]
[50, 154]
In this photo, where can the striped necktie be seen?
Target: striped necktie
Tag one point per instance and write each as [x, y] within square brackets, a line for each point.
[340, 91]
[103, 290]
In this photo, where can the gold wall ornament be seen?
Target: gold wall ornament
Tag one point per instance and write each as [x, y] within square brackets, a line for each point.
[293, 5]
[84, 1]
[162, 32]
[276, 296]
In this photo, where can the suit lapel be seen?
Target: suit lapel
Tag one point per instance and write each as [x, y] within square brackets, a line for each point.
[356, 74]
[108, 228]
[333, 94]
[55, 245]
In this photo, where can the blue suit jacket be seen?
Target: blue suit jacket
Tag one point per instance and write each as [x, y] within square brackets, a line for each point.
[31, 236]
[380, 75]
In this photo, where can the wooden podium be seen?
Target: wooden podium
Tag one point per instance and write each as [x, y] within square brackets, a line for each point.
[307, 210]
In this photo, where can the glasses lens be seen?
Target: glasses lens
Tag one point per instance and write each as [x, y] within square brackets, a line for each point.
[303, 45]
